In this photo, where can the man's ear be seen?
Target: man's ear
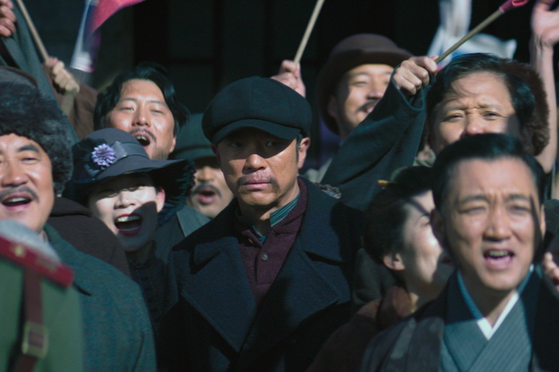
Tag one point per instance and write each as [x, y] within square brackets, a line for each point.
[302, 151]
[393, 261]
[160, 199]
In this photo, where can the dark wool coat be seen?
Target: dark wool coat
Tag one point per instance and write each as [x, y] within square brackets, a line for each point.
[414, 344]
[116, 327]
[215, 325]
[78, 226]
[388, 139]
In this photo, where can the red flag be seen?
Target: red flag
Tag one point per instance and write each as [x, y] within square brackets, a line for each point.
[106, 8]
[96, 12]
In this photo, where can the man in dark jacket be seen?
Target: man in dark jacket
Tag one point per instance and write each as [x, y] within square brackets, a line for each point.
[497, 313]
[261, 286]
[210, 194]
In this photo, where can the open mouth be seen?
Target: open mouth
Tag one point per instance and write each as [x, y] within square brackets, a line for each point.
[16, 200]
[143, 139]
[206, 195]
[498, 258]
[369, 106]
[128, 224]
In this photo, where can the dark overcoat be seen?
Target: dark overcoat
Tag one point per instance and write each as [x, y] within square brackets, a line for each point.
[415, 343]
[215, 324]
[388, 139]
[116, 327]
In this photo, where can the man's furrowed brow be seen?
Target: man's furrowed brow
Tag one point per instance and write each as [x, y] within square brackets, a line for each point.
[473, 198]
[521, 197]
[482, 197]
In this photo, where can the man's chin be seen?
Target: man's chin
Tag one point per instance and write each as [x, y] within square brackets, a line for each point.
[26, 220]
[209, 210]
[157, 154]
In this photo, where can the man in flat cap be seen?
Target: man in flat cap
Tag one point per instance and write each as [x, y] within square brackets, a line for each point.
[210, 194]
[261, 286]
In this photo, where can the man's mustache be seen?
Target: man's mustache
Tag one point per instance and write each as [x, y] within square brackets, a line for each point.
[364, 106]
[141, 130]
[16, 190]
[251, 178]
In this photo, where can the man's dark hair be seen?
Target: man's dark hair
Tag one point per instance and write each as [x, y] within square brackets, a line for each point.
[523, 83]
[107, 100]
[26, 112]
[488, 147]
[387, 214]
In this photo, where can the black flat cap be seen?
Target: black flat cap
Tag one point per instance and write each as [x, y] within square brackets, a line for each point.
[259, 103]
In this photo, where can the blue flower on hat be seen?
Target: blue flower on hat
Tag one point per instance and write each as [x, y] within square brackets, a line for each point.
[103, 156]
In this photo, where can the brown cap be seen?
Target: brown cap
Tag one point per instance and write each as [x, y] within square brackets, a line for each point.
[354, 51]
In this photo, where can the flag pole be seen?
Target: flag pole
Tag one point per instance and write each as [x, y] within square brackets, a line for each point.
[69, 95]
[508, 5]
[33, 30]
[308, 31]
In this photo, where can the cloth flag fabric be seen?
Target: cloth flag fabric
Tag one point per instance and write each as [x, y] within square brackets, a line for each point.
[106, 8]
[95, 13]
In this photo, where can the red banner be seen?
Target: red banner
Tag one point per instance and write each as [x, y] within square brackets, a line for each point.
[106, 8]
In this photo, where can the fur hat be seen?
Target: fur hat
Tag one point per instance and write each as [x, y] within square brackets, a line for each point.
[26, 112]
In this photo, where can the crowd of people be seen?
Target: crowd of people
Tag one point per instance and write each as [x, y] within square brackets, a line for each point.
[135, 236]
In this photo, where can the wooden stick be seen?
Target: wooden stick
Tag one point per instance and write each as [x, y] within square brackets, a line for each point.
[505, 7]
[33, 30]
[308, 31]
[479, 27]
[69, 96]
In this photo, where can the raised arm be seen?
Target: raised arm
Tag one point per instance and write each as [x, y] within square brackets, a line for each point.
[414, 73]
[7, 18]
[63, 79]
[290, 75]
[387, 139]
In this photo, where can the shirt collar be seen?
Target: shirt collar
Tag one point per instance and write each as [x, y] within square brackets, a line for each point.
[275, 217]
